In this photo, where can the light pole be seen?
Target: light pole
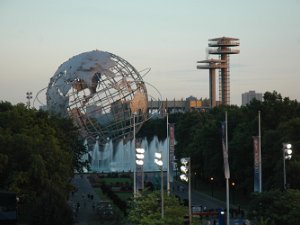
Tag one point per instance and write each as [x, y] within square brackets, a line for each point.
[134, 165]
[212, 186]
[168, 156]
[233, 191]
[28, 96]
[158, 161]
[287, 154]
[186, 176]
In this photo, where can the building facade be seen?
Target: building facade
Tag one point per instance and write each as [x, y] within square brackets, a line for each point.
[248, 96]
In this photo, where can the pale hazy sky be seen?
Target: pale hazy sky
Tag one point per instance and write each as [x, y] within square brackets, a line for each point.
[169, 36]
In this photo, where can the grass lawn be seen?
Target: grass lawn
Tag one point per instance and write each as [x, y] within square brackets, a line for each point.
[100, 194]
[112, 181]
[124, 195]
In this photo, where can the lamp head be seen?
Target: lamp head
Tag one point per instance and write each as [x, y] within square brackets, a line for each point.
[139, 162]
[140, 156]
[183, 169]
[184, 177]
[140, 150]
[158, 155]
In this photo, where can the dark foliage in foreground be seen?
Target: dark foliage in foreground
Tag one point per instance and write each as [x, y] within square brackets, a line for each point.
[38, 156]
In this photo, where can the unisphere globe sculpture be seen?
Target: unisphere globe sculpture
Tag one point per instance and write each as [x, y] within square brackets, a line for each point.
[102, 93]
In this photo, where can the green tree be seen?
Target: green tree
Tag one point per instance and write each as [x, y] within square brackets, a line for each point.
[276, 207]
[38, 155]
[146, 210]
[198, 135]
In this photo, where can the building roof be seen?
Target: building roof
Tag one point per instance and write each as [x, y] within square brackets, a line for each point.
[222, 38]
[211, 61]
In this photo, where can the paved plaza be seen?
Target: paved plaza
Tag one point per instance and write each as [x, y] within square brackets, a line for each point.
[83, 201]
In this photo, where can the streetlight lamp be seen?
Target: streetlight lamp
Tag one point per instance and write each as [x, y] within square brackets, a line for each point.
[287, 154]
[185, 175]
[140, 156]
[158, 161]
[140, 162]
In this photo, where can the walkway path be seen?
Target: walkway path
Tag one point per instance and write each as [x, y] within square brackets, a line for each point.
[83, 203]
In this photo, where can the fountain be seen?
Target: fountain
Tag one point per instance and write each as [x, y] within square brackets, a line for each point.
[119, 156]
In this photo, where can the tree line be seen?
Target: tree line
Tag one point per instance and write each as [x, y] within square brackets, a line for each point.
[198, 135]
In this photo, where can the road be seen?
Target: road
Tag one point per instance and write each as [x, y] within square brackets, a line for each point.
[206, 201]
[198, 198]
[85, 214]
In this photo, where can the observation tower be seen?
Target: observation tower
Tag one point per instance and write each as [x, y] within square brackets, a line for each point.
[223, 48]
[212, 65]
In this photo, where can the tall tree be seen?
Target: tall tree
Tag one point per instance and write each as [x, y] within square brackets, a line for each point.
[146, 210]
[276, 206]
[39, 154]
